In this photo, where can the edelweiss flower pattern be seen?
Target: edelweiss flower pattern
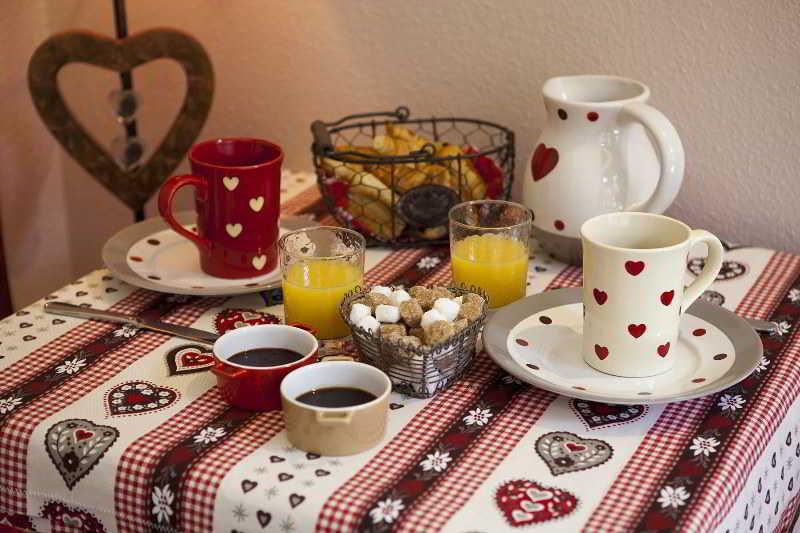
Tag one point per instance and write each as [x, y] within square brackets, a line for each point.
[427, 263]
[162, 503]
[9, 404]
[71, 366]
[209, 435]
[436, 461]
[794, 295]
[762, 364]
[387, 511]
[127, 331]
[673, 497]
[730, 402]
[704, 445]
[478, 417]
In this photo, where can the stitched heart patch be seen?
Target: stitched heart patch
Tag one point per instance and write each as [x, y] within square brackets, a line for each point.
[600, 296]
[565, 452]
[189, 358]
[544, 160]
[236, 318]
[75, 446]
[634, 268]
[524, 502]
[596, 415]
[138, 397]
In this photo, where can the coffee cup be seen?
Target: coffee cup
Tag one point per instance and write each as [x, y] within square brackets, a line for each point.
[313, 425]
[237, 197]
[247, 383]
[633, 293]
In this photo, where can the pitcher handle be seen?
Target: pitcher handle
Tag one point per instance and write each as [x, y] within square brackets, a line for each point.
[670, 155]
[710, 270]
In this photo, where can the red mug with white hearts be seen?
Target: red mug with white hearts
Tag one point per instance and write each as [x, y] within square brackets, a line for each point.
[237, 185]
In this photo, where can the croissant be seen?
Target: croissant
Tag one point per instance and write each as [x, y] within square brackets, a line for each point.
[374, 216]
[361, 181]
[472, 186]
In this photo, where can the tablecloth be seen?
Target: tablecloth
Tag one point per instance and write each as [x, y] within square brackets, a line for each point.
[109, 428]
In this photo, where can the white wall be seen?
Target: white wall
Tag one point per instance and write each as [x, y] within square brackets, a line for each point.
[727, 73]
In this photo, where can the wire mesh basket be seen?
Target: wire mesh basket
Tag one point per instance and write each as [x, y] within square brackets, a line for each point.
[394, 178]
[422, 371]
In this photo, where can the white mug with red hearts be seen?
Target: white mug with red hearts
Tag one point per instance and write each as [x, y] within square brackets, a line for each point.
[633, 293]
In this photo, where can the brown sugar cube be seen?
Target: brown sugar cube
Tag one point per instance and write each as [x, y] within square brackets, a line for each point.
[376, 299]
[411, 312]
[423, 295]
[439, 332]
[418, 333]
[461, 325]
[441, 292]
[392, 330]
[470, 311]
[472, 298]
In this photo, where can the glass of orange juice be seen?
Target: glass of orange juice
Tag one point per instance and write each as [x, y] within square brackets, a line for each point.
[489, 248]
[319, 266]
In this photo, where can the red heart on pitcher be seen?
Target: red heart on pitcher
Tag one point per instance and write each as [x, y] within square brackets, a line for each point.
[524, 502]
[663, 350]
[634, 268]
[601, 351]
[543, 161]
[666, 297]
[636, 330]
[600, 296]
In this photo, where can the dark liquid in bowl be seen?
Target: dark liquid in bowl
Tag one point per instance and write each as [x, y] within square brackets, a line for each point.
[336, 397]
[265, 357]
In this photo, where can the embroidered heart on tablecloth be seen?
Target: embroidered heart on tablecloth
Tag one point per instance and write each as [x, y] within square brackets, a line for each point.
[189, 358]
[236, 318]
[138, 397]
[61, 515]
[524, 502]
[75, 446]
[596, 415]
[565, 452]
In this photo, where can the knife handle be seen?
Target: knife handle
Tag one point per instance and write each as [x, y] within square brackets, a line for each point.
[65, 309]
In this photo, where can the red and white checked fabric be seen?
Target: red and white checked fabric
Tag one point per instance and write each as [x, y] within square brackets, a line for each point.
[40, 360]
[392, 265]
[347, 505]
[301, 200]
[202, 481]
[626, 500]
[16, 433]
[434, 509]
[789, 516]
[131, 489]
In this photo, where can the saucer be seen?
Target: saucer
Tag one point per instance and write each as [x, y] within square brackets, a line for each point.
[538, 340]
[151, 255]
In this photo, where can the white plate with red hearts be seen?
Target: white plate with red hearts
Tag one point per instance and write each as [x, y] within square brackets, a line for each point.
[538, 340]
[151, 255]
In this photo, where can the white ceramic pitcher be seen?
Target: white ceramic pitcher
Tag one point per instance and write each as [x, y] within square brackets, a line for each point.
[594, 156]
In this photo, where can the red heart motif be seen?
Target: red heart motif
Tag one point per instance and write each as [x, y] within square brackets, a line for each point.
[138, 397]
[191, 359]
[634, 268]
[236, 318]
[636, 330]
[524, 502]
[601, 351]
[82, 434]
[543, 161]
[663, 350]
[666, 297]
[575, 447]
[600, 296]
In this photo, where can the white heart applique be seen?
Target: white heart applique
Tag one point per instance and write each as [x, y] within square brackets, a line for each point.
[521, 516]
[257, 203]
[233, 229]
[539, 495]
[230, 182]
[259, 261]
[531, 507]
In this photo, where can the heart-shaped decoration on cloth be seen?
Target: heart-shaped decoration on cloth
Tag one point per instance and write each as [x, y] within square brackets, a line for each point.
[565, 452]
[135, 186]
[236, 318]
[544, 160]
[524, 502]
[189, 358]
[138, 397]
[76, 445]
[61, 515]
[596, 415]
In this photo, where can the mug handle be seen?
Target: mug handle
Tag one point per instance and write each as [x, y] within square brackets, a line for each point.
[222, 370]
[670, 155]
[167, 194]
[326, 417]
[709, 272]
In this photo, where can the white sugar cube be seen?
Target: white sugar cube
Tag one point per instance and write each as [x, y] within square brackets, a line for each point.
[429, 317]
[378, 289]
[369, 323]
[447, 307]
[359, 311]
[387, 313]
[399, 296]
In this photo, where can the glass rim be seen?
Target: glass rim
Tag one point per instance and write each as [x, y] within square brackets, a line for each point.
[361, 250]
[526, 210]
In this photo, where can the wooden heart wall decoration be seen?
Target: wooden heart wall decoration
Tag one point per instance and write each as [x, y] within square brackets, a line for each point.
[135, 186]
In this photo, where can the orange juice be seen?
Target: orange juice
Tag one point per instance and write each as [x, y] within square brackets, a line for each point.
[313, 290]
[496, 264]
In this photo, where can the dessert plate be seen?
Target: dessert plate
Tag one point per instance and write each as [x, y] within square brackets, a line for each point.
[151, 255]
[538, 340]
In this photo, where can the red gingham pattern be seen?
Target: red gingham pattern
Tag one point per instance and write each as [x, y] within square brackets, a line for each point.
[392, 265]
[16, 433]
[665, 441]
[344, 509]
[789, 515]
[436, 507]
[43, 358]
[301, 200]
[201, 482]
[134, 471]
[718, 491]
